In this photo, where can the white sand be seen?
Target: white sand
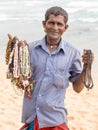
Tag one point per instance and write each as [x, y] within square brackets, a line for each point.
[82, 107]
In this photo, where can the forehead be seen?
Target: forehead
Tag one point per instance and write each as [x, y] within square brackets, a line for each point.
[56, 18]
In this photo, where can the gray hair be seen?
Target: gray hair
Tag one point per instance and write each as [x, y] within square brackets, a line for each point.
[56, 10]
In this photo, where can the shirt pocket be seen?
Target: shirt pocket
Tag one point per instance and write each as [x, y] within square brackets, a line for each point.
[60, 78]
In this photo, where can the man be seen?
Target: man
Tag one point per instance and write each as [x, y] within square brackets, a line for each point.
[54, 62]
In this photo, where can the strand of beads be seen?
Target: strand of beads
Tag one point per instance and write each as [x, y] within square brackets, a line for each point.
[9, 55]
[25, 67]
[16, 68]
[8, 49]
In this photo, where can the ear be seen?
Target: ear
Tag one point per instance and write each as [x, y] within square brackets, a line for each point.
[66, 27]
[43, 23]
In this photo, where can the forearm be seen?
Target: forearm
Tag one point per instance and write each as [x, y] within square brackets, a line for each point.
[78, 84]
[87, 58]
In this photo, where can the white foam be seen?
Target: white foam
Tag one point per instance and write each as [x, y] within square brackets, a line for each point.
[34, 9]
[83, 4]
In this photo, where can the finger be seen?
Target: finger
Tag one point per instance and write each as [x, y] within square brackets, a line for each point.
[84, 51]
[10, 36]
[15, 39]
[25, 42]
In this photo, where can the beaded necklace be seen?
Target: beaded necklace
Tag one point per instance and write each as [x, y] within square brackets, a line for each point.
[19, 69]
[25, 60]
[16, 69]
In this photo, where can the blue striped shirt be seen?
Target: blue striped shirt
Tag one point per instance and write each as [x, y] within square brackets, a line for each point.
[52, 73]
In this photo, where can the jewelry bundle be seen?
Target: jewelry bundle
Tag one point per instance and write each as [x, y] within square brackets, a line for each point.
[18, 61]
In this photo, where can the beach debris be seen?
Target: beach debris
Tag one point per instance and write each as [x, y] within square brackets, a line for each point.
[18, 61]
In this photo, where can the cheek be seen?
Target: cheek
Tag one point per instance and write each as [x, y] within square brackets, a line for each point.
[62, 31]
[47, 28]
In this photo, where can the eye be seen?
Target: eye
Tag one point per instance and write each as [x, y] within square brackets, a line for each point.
[60, 24]
[51, 23]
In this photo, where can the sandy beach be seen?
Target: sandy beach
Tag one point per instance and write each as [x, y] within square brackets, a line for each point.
[82, 107]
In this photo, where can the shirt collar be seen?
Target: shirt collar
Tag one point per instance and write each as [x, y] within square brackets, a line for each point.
[42, 43]
[62, 46]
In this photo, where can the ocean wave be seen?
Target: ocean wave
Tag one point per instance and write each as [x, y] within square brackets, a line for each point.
[83, 4]
[26, 10]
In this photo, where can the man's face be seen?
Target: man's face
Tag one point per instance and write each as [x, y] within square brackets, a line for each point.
[55, 27]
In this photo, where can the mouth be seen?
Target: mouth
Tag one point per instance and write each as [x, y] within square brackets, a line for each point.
[54, 33]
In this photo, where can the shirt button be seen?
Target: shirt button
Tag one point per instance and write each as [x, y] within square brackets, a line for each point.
[37, 108]
[47, 68]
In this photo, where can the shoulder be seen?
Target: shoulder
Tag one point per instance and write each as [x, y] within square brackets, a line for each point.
[33, 45]
[70, 48]
[69, 45]
[37, 43]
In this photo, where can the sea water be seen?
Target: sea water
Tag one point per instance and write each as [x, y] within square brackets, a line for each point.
[28, 10]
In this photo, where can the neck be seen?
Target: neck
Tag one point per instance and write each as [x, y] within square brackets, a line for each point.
[52, 43]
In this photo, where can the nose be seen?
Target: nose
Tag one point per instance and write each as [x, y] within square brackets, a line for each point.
[55, 27]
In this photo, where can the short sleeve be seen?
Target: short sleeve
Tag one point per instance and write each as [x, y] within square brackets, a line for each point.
[76, 67]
